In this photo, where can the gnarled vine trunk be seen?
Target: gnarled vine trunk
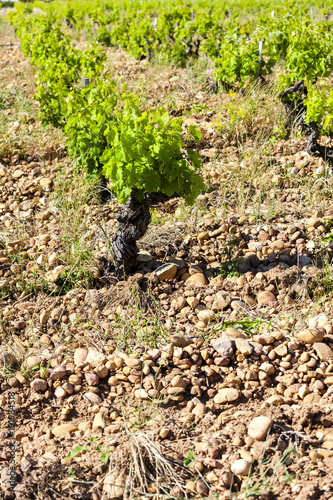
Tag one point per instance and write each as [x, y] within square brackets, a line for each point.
[133, 220]
[297, 113]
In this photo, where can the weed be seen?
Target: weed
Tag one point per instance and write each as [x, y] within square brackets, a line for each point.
[256, 487]
[157, 217]
[229, 266]
[247, 325]
[71, 473]
[79, 449]
[190, 459]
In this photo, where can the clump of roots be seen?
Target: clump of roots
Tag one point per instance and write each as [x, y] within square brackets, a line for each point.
[138, 467]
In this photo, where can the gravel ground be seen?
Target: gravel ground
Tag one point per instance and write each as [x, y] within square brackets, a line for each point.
[209, 371]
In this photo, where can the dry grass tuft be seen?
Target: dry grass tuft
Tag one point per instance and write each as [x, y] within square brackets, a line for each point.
[139, 467]
[133, 293]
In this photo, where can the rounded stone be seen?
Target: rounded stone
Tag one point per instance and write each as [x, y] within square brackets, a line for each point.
[143, 256]
[74, 379]
[311, 335]
[58, 373]
[266, 298]
[180, 341]
[166, 272]
[134, 363]
[94, 357]
[197, 279]
[235, 334]
[226, 396]
[12, 381]
[60, 430]
[259, 427]
[241, 467]
[60, 393]
[206, 315]
[33, 361]
[80, 355]
[164, 432]
[312, 398]
[93, 398]
[141, 394]
[38, 385]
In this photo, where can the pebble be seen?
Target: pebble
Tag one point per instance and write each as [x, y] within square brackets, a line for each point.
[201, 488]
[199, 410]
[323, 350]
[180, 341]
[60, 393]
[143, 256]
[141, 394]
[197, 279]
[50, 457]
[164, 432]
[91, 378]
[74, 379]
[223, 345]
[45, 340]
[266, 298]
[222, 301]
[192, 301]
[311, 335]
[57, 313]
[80, 355]
[94, 358]
[93, 398]
[259, 427]
[44, 317]
[239, 305]
[226, 478]
[206, 315]
[3, 170]
[235, 334]
[312, 398]
[99, 420]
[12, 381]
[38, 385]
[241, 467]
[60, 430]
[166, 271]
[134, 363]
[190, 486]
[33, 361]
[58, 373]
[226, 396]
[244, 347]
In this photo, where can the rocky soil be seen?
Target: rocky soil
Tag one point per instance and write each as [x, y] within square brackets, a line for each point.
[207, 373]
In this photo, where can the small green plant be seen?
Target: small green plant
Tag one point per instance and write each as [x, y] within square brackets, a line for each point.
[73, 278]
[249, 326]
[76, 450]
[229, 265]
[104, 454]
[265, 483]
[71, 473]
[189, 460]
[85, 447]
